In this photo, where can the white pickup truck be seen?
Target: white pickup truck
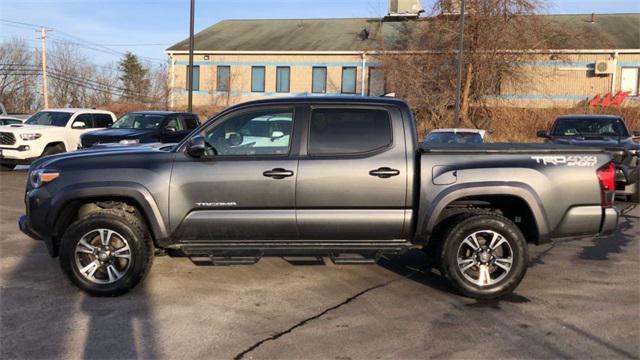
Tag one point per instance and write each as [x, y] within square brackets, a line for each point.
[48, 132]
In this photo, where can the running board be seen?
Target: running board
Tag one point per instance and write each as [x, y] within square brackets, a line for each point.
[355, 258]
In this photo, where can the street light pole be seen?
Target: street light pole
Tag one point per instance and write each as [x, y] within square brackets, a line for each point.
[456, 116]
[190, 69]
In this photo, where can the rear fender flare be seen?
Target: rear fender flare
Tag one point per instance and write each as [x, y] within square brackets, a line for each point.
[428, 220]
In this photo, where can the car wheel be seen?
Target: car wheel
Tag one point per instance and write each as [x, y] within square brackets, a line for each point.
[106, 253]
[484, 256]
[7, 167]
[635, 198]
[53, 149]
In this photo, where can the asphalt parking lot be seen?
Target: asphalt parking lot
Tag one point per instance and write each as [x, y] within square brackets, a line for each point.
[580, 299]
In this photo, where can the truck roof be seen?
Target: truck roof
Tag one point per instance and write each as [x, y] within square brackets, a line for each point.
[346, 99]
[75, 110]
[589, 116]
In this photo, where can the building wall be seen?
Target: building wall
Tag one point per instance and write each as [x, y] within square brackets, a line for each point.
[566, 81]
[240, 80]
[562, 80]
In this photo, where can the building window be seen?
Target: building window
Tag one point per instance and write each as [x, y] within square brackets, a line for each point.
[257, 79]
[283, 74]
[630, 79]
[349, 80]
[319, 80]
[222, 78]
[196, 77]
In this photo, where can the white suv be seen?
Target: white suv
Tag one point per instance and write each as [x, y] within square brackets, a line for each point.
[48, 132]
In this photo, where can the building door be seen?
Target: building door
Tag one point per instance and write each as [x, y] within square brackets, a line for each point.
[629, 81]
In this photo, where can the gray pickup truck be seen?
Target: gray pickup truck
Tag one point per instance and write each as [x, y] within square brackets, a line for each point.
[342, 177]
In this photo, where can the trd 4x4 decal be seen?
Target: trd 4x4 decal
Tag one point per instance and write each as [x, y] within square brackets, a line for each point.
[573, 160]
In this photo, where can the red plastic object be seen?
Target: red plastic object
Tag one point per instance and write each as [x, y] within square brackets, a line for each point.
[595, 101]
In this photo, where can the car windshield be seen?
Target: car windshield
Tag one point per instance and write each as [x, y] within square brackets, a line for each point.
[453, 138]
[590, 127]
[49, 118]
[138, 121]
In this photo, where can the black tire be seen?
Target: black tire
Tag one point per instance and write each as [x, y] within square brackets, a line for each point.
[7, 167]
[124, 224]
[635, 198]
[460, 229]
[53, 149]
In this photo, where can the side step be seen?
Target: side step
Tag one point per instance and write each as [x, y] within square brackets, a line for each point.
[355, 258]
[227, 258]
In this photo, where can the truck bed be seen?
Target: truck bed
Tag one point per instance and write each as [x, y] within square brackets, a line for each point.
[507, 148]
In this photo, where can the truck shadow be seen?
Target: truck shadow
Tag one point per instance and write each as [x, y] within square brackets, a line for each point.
[44, 316]
[604, 246]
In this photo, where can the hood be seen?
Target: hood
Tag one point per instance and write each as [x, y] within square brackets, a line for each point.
[111, 152]
[21, 128]
[120, 133]
[604, 142]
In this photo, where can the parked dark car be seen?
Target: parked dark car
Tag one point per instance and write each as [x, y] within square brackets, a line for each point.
[4, 120]
[144, 127]
[606, 132]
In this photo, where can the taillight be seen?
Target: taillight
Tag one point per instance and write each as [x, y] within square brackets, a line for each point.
[607, 179]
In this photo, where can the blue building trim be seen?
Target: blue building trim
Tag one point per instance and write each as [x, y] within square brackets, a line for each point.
[279, 63]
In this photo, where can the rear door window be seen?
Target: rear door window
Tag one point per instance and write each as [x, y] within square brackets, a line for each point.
[348, 131]
[191, 122]
[102, 120]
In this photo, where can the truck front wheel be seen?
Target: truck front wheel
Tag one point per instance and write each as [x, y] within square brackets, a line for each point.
[484, 256]
[107, 252]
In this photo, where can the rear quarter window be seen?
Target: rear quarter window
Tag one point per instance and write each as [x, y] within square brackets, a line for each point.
[348, 131]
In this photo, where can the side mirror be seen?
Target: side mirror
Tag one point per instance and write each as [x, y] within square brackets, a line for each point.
[277, 134]
[170, 129]
[542, 134]
[636, 133]
[79, 125]
[197, 147]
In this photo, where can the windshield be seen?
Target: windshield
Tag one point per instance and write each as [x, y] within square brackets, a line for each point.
[453, 138]
[138, 121]
[50, 118]
[595, 127]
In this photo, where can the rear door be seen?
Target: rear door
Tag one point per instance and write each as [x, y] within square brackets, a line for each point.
[352, 183]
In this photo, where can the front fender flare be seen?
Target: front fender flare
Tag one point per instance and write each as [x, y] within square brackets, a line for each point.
[131, 190]
[428, 220]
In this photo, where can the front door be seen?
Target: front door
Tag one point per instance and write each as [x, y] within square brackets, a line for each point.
[353, 182]
[629, 81]
[245, 188]
[173, 129]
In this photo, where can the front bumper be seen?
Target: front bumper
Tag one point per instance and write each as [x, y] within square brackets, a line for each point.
[609, 221]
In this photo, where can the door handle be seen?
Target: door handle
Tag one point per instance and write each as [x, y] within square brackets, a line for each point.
[278, 173]
[384, 172]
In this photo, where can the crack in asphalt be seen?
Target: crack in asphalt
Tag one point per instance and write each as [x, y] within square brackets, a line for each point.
[314, 317]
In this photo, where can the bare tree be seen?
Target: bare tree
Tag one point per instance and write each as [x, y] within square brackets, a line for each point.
[70, 76]
[18, 76]
[420, 62]
[159, 89]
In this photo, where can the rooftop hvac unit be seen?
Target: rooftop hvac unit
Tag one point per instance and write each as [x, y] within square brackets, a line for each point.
[604, 67]
[405, 8]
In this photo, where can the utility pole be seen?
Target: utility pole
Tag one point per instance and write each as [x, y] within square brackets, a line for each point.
[190, 72]
[456, 116]
[43, 39]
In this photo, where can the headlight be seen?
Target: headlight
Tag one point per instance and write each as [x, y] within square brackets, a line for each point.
[129, 141]
[40, 177]
[30, 136]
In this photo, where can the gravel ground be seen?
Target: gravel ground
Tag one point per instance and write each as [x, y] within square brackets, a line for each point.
[580, 299]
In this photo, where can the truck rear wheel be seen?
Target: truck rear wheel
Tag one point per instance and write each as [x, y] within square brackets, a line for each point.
[484, 256]
[106, 253]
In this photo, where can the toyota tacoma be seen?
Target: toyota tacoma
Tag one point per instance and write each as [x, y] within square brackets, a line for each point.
[342, 177]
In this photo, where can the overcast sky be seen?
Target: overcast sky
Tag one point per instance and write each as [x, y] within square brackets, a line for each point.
[147, 27]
